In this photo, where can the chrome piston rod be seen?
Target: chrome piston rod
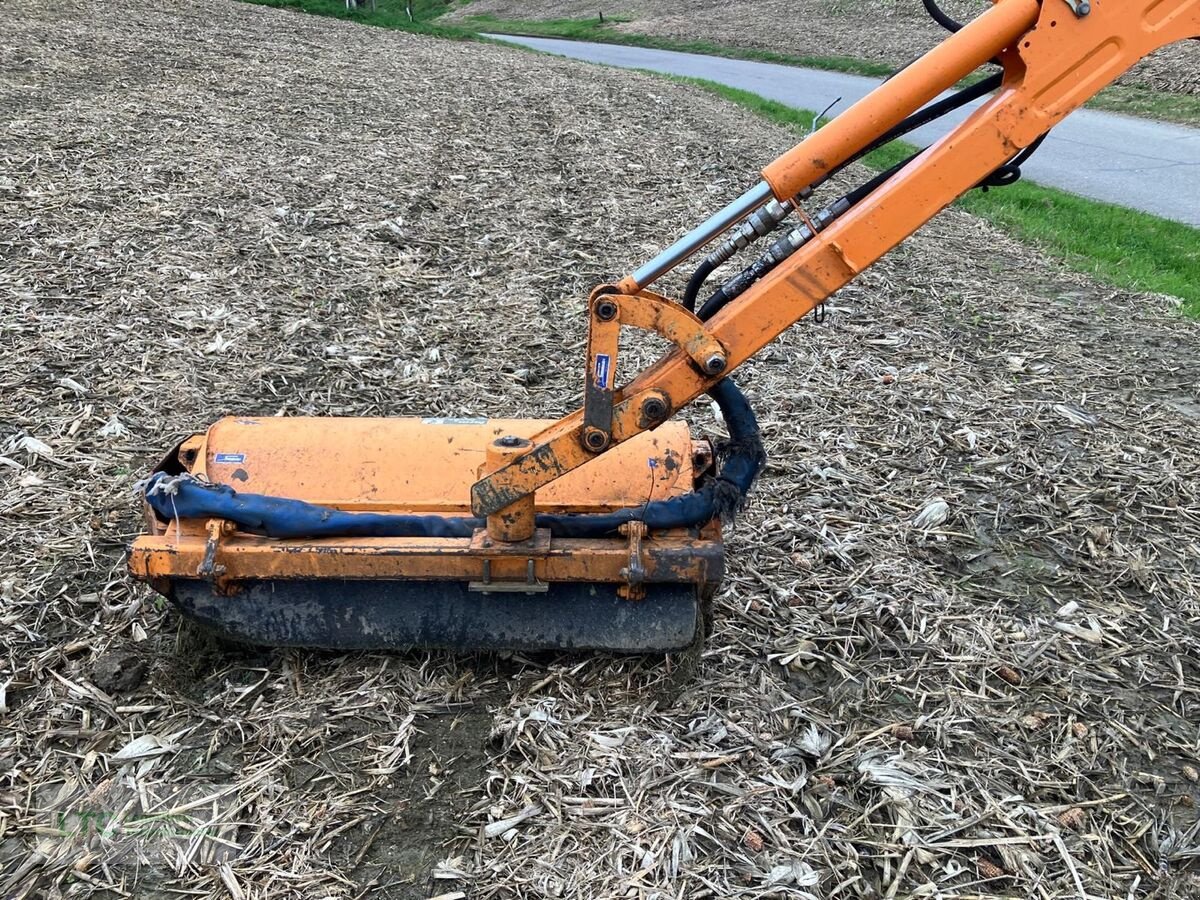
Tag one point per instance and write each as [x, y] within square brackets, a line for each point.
[712, 227]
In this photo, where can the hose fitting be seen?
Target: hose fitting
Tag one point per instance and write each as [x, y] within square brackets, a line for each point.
[776, 253]
[758, 224]
[802, 234]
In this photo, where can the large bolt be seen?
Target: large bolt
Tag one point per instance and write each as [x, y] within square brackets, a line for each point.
[654, 409]
[511, 440]
[595, 439]
[606, 310]
[715, 364]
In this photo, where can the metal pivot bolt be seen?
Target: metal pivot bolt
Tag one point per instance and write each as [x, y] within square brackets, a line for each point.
[715, 364]
[1080, 7]
[654, 409]
[606, 310]
[595, 439]
[516, 521]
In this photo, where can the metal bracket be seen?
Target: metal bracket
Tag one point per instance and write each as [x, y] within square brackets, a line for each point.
[650, 312]
[635, 573]
[530, 585]
[218, 529]
[537, 546]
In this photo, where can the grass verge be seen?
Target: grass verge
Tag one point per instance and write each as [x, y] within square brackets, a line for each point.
[387, 14]
[1125, 248]
[1183, 109]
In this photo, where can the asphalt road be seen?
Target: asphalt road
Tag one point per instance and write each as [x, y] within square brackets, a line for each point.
[1136, 163]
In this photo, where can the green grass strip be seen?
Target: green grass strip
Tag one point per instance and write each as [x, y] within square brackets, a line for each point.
[387, 14]
[1130, 99]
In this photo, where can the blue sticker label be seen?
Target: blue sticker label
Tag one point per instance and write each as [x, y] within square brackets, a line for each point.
[602, 362]
[230, 458]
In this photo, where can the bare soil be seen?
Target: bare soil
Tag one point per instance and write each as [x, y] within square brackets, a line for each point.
[956, 652]
[892, 31]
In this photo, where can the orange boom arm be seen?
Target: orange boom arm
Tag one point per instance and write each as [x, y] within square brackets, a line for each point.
[1056, 55]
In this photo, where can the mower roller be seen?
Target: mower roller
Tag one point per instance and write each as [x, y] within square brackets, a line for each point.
[602, 530]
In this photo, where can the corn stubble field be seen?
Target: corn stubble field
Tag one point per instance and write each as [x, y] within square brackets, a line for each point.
[956, 651]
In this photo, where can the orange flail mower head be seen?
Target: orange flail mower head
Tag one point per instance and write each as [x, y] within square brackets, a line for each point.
[617, 589]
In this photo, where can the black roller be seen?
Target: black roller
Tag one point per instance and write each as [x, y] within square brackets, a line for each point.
[399, 615]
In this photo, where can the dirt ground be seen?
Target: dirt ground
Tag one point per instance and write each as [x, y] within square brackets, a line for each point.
[209, 207]
[891, 31]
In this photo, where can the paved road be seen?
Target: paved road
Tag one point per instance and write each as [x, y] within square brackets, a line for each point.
[1151, 166]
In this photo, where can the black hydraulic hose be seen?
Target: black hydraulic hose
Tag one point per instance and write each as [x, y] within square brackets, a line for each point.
[186, 497]
[719, 498]
[927, 114]
[921, 117]
[948, 23]
[1010, 172]
[937, 109]
[1005, 175]
[1023, 157]
[861, 192]
[695, 283]
[941, 18]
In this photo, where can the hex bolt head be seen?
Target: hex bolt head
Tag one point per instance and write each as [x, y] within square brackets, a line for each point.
[606, 310]
[510, 441]
[715, 364]
[654, 409]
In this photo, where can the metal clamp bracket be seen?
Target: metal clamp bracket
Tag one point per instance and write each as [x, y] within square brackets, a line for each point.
[650, 312]
[218, 530]
[634, 574]
[537, 547]
[531, 584]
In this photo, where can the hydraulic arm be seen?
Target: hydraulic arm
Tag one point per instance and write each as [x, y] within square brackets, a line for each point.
[1056, 55]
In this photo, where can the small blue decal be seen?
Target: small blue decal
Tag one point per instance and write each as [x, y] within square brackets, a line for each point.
[230, 458]
[602, 361]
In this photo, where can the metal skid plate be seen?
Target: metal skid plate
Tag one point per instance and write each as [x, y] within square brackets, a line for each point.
[376, 615]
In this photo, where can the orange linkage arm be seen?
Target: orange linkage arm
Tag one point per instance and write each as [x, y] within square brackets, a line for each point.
[1054, 61]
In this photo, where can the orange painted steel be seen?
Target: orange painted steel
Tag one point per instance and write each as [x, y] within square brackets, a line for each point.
[420, 466]
[513, 523]
[414, 465]
[651, 312]
[1054, 63]
[938, 70]
[672, 556]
